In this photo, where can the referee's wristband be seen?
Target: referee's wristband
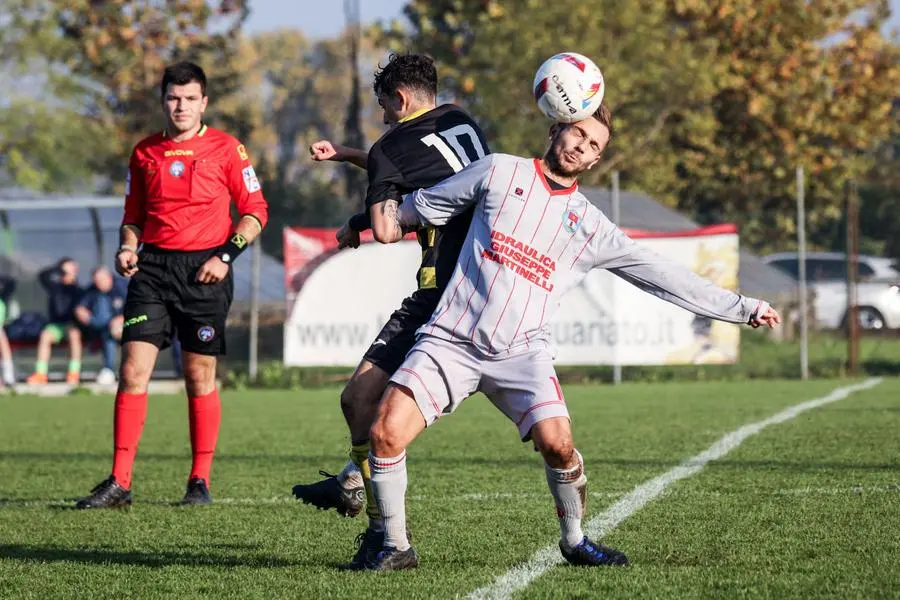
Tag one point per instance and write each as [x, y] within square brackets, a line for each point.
[231, 249]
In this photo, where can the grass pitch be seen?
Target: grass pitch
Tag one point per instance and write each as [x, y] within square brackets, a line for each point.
[806, 509]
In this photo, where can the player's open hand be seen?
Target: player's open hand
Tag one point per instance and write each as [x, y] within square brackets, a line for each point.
[212, 271]
[325, 150]
[765, 315]
[126, 263]
[347, 237]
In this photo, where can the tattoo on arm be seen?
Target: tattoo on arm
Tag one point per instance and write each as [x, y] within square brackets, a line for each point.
[389, 211]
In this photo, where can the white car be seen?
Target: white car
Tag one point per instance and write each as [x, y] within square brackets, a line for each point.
[878, 290]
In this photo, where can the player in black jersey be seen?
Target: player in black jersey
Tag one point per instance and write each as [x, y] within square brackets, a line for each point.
[425, 145]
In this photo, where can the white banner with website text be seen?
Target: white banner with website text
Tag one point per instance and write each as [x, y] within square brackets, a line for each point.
[337, 303]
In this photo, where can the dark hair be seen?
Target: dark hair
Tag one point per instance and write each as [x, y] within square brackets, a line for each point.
[604, 115]
[414, 72]
[64, 260]
[183, 73]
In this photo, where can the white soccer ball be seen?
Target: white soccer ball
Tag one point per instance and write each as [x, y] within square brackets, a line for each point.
[106, 377]
[568, 87]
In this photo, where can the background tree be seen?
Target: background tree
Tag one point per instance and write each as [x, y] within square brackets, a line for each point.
[95, 65]
[294, 92]
[716, 102]
[84, 77]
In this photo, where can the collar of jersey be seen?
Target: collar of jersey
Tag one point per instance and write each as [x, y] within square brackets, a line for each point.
[418, 113]
[199, 133]
[564, 191]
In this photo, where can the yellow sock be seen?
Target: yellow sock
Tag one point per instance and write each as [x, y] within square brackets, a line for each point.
[359, 453]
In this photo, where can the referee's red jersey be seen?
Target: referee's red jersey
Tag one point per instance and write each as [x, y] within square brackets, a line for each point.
[179, 193]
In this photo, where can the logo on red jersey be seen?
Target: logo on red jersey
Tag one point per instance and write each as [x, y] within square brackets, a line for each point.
[242, 152]
[251, 182]
[571, 221]
[176, 169]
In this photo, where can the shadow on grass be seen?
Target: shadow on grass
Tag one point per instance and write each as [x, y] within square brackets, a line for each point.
[152, 559]
[220, 457]
[449, 462]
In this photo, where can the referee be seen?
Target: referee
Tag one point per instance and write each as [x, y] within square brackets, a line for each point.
[178, 194]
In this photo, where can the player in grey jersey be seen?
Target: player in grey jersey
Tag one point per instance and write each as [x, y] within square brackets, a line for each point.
[533, 237]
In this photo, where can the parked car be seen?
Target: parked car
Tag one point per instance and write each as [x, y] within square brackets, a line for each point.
[878, 290]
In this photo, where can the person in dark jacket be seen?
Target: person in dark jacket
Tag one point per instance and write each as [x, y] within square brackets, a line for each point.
[99, 316]
[61, 284]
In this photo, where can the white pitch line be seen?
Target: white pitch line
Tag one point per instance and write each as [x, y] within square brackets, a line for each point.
[521, 576]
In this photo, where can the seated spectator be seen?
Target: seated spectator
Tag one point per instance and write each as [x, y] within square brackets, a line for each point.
[61, 284]
[7, 287]
[99, 315]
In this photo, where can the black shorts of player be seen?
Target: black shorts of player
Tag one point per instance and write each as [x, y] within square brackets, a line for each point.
[398, 335]
[164, 297]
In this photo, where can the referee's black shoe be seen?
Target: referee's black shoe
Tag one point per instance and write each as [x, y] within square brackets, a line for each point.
[106, 494]
[197, 493]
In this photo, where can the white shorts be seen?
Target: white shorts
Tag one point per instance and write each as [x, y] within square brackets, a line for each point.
[442, 374]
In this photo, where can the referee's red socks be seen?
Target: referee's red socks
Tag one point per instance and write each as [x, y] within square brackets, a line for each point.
[128, 422]
[205, 413]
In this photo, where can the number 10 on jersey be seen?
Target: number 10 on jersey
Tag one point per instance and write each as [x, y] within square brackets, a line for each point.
[448, 144]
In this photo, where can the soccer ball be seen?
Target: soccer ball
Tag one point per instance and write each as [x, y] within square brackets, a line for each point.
[106, 377]
[568, 87]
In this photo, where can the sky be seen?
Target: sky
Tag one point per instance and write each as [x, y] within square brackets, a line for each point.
[325, 18]
[316, 18]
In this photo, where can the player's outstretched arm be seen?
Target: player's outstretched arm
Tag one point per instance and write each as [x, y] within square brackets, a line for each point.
[453, 196]
[675, 283]
[432, 206]
[388, 225]
[326, 150]
[765, 315]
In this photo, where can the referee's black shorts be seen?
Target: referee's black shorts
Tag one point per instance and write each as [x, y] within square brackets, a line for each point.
[164, 297]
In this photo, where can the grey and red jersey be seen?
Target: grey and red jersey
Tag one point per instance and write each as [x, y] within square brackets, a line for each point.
[528, 244]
